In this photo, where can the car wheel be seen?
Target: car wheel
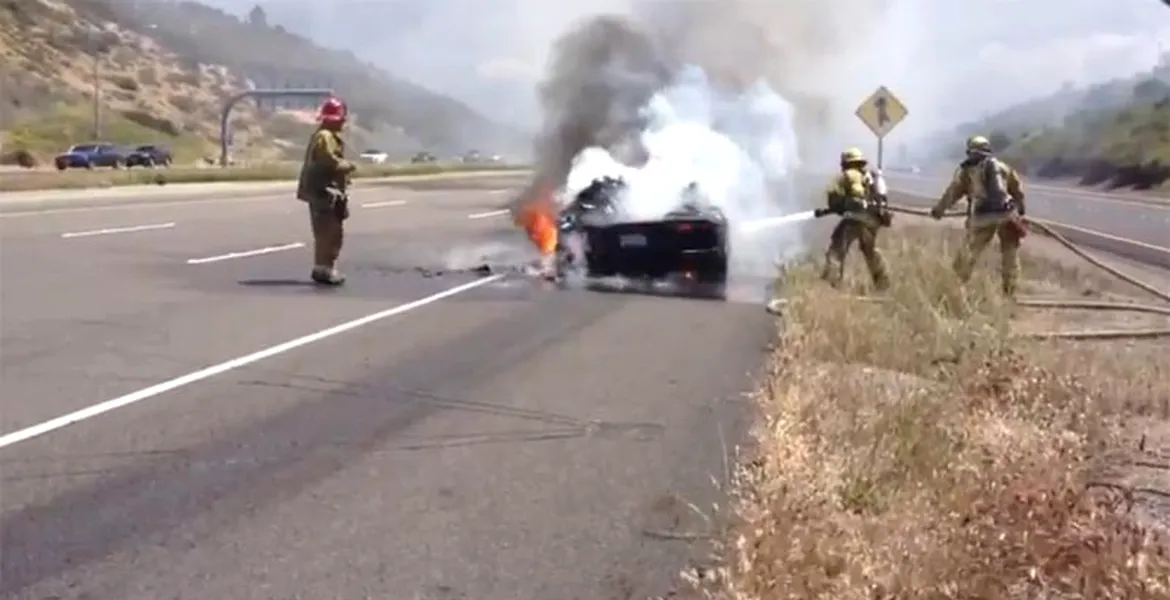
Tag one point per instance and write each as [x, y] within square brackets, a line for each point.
[62, 166]
[117, 164]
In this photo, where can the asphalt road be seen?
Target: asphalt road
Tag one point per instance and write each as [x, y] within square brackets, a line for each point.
[507, 441]
[1123, 215]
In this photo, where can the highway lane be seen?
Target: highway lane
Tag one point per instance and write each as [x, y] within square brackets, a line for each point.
[230, 192]
[1112, 214]
[511, 441]
[64, 299]
[1064, 187]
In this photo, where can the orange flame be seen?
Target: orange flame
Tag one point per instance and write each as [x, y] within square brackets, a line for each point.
[538, 219]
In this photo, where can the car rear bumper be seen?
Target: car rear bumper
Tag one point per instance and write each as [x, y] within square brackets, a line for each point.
[694, 249]
[707, 266]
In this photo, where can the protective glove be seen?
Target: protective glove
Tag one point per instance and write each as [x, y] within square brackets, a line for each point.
[339, 200]
[1020, 227]
[822, 212]
[936, 213]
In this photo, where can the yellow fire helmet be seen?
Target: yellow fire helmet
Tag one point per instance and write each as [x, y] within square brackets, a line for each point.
[853, 156]
[978, 144]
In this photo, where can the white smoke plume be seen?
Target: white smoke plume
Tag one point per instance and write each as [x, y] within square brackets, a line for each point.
[657, 98]
[738, 146]
[603, 69]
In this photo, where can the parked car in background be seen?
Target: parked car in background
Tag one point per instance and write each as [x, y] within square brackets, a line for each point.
[376, 157]
[423, 158]
[150, 156]
[472, 156]
[88, 156]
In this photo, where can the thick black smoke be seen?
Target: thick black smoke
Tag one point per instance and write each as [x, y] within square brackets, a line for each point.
[600, 75]
[603, 70]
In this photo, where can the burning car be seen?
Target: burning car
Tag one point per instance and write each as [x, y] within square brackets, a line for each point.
[687, 246]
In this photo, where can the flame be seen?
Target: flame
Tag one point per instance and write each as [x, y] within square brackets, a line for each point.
[538, 219]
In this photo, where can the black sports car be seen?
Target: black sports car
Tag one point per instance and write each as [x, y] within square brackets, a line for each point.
[687, 246]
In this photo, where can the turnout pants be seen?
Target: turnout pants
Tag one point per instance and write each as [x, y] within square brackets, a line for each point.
[842, 239]
[328, 234]
[978, 236]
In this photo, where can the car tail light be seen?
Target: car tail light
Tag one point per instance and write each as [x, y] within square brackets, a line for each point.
[686, 227]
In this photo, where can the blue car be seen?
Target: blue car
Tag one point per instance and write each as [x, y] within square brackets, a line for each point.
[88, 156]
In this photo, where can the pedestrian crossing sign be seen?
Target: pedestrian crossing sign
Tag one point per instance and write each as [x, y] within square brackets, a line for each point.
[882, 112]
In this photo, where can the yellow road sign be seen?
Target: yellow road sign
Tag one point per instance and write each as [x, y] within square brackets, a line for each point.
[882, 112]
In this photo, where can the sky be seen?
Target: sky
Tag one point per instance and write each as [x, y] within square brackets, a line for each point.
[948, 62]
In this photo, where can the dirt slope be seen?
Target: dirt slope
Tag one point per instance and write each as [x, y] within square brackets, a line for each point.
[165, 68]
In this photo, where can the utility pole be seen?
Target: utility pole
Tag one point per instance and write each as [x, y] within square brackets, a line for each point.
[5, 101]
[97, 48]
[97, 94]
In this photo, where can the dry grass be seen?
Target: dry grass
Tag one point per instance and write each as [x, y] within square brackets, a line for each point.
[137, 76]
[913, 449]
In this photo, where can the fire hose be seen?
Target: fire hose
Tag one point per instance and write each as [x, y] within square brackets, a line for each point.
[1105, 334]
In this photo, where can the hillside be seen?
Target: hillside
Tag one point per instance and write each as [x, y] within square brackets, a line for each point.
[164, 69]
[1115, 134]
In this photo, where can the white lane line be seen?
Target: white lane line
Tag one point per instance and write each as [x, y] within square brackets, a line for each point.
[1103, 235]
[112, 230]
[90, 412]
[488, 214]
[386, 203]
[245, 254]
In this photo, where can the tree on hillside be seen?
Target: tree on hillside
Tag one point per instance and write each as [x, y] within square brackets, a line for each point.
[257, 17]
[999, 141]
[1151, 91]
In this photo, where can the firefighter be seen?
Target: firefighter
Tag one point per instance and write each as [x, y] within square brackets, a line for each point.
[323, 184]
[854, 195]
[995, 208]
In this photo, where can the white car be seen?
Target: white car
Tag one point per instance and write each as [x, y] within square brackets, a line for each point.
[376, 157]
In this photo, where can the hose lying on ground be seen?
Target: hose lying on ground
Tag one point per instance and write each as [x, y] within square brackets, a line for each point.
[1063, 241]
[1107, 334]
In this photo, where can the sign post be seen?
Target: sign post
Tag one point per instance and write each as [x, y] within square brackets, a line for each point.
[881, 112]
